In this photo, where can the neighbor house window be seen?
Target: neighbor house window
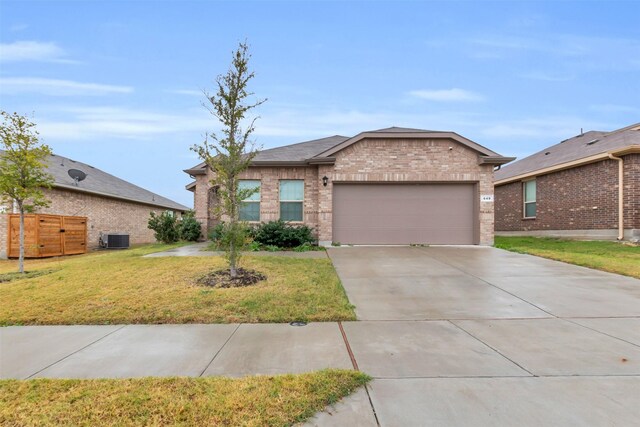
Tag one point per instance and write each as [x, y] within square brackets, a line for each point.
[250, 206]
[291, 199]
[529, 188]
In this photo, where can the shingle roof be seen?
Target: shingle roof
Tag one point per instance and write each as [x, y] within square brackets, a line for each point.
[299, 152]
[320, 150]
[102, 183]
[578, 147]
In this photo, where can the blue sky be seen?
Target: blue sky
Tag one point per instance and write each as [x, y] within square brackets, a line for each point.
[118, 84]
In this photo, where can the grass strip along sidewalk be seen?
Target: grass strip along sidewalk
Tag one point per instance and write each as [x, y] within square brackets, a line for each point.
[251, 401]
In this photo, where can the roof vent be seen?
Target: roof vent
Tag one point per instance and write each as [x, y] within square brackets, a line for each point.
[592, 141]
[547, 153]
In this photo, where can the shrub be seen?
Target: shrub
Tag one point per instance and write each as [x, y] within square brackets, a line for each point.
[189, 227]
[164, 226]
[215, 234]
[283, 235]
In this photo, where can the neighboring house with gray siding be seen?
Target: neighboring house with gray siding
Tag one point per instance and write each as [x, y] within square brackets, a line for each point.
[388, 186]
[587, 186]
[111, 204]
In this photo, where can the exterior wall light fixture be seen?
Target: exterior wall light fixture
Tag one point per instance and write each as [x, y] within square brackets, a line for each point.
[325, 180]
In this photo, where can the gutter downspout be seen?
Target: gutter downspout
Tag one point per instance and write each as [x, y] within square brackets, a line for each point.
[620, 195]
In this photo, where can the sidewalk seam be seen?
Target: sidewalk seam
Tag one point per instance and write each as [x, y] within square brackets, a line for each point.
[219, 350]
[77, 351]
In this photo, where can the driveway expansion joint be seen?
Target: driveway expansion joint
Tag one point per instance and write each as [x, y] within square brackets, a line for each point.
[491, 284]
[492, 348]
[354, 362]
[568, 319]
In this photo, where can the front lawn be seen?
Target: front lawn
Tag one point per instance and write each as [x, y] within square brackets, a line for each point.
[215, 401]
[122, 287]
[613, 257]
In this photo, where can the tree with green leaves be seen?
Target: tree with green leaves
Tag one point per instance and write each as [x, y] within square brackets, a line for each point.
[230, 152]
[23, 170]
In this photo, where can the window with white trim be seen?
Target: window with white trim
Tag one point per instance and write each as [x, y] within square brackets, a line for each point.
[529, 193]
[250, 206]
[291, 199]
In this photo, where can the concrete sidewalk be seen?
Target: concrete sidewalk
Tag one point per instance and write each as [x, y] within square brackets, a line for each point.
[169, 350]
[471, 372]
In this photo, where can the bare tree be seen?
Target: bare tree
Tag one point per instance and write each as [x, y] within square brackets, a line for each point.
[230, 152]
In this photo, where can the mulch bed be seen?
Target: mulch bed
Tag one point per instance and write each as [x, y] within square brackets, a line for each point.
[222, 278]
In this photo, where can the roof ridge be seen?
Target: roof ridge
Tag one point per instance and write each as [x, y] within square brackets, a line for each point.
[304, 142]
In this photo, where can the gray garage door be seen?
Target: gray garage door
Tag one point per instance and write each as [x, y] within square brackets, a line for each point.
[400, 214]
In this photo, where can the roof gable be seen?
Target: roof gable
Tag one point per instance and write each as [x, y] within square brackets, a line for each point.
[403, 133]
[321, 151]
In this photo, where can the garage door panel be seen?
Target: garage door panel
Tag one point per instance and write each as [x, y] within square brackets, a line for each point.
[404, 213]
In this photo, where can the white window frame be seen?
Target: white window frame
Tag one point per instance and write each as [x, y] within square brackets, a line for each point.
[259, 201]
[280, 201]
[524, 199]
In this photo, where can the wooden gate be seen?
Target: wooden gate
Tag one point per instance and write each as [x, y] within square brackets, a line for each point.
[47, 235]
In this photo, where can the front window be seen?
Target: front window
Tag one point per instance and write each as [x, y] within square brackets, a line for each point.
[291, 199]
[529, 198]
[250, 205]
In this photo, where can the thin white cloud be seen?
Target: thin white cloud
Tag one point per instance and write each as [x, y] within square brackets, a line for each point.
[189, 92]
[552, 129]
[575, 51]
[85, 123]
[446, 95]
[33, 51]
[55, 87]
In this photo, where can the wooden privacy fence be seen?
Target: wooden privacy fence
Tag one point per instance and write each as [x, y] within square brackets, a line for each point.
[47, 235]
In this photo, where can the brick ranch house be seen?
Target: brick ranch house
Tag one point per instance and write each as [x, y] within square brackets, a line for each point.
[587, 186]
[111, 205]
[389, 186]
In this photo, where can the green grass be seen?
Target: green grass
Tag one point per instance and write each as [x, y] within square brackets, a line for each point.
[123, 287]
[214, 401]
[614, 257]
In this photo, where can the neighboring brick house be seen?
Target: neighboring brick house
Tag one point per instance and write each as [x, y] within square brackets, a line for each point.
[390, 186]
[110, 204]
[572, 189]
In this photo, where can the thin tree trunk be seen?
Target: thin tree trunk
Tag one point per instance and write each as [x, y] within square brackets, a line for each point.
[21, 256]
[233, 272]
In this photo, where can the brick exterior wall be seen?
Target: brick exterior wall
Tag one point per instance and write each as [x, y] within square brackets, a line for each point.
[369, 160]
[104, 215]
[581, 198]
[632, 191]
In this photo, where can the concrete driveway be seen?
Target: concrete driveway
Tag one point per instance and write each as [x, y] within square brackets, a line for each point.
[480, 336]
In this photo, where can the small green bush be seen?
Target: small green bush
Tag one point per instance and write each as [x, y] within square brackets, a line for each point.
[283, 235]
[215, 234]
[164, 227]
[189, 227]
